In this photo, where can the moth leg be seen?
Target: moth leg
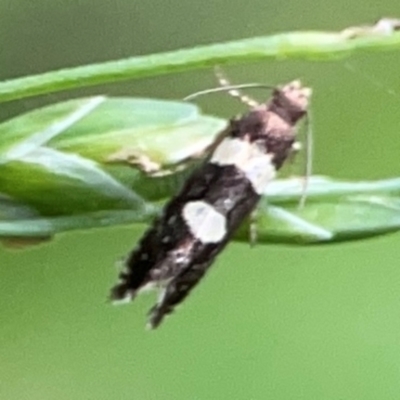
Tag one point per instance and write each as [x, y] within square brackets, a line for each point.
[175, 292]
[253, 233]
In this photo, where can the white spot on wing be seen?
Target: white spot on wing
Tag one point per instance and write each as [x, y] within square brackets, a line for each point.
[259, 171]
[248, 158]
[231, 152]
[204, 222]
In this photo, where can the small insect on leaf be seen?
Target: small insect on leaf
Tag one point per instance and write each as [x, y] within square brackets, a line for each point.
[197, 223]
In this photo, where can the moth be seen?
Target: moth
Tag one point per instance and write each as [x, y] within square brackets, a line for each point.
[198, 222]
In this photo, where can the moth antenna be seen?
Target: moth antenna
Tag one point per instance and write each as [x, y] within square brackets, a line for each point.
[309, 141]
[224, 82]
[227, 89]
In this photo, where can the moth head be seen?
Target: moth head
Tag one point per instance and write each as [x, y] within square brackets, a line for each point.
[294, 98]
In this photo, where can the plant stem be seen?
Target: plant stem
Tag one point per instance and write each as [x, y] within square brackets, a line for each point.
[294, 45]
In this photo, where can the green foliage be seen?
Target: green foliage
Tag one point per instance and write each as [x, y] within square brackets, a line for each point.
[334, 211]
[104, 161]
[100, 159]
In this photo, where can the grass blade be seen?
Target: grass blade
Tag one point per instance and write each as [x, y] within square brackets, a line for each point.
[291, 45]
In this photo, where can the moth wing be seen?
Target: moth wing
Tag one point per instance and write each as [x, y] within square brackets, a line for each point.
[176, 291]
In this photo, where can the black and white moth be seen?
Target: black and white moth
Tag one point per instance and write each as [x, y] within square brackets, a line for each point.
[196, 224]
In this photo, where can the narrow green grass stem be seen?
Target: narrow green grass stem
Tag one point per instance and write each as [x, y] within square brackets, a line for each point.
[293, 45]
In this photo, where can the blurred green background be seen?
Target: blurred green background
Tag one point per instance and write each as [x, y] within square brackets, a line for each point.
[268, 323]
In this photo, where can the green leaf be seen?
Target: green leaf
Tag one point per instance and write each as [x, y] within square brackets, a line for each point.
[98, 154]
[335, 211]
